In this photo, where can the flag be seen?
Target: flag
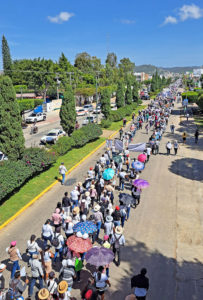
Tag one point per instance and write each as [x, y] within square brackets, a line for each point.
[137, 147]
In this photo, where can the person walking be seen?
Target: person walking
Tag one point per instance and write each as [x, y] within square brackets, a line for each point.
[17, 287]
[175, 146]
[117, 240]
[52, 285]
[149, 149]
[116, 216]
[66, 204]
[168, 147]
[15, 255]
[101, 281]
[67, 272]
[121, 133]
[32, 246]
[122, 175]
[172, 127]
[47, 256]
[37, 274]
[196, 135]
[184, 136]
[62, 172]
[98, 218]
[141, 284]
[47, 232]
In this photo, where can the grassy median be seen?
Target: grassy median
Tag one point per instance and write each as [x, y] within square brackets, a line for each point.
[36, 185]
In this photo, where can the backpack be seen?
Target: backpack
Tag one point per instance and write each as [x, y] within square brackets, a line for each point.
[55, 241]
[13, 291]
[96, 169]
[116, 244]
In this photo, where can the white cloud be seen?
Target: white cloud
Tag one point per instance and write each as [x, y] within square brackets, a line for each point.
[170, 20]
[190, 12]
[60, 18]
[127, 21]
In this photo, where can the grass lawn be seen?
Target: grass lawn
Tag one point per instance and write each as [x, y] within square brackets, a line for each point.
[119, 124]
[36, 185]
[199, 121]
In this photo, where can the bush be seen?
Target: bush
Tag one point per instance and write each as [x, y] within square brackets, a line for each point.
[191, 96]
[38, 102]
[122, 112]
[106, 123]
[28, 104]
[62, 146]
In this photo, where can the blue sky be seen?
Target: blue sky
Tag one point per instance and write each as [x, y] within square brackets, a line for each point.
[163, 33]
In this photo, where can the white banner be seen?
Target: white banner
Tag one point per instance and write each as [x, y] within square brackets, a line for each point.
[109, 143]
[137, 147]
[118, 145]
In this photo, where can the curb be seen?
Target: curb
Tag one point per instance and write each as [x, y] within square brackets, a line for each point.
[53, 184]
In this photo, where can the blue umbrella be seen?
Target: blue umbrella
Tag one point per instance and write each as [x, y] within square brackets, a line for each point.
[108, 174]
[85, 227]
[137, 165]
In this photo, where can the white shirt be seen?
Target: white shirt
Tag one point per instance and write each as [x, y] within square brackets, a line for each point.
[33, 247]
[62, 169]
[74, 195]
[102, 160]
[102, 282]
[47, 256]
[149, 150]
[47, 230]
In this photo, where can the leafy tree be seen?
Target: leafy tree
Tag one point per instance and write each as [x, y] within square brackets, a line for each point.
[67, 111]
[7, 61]
[126, 65]
[105, 102]
[111, 60]
[128, 94]
[201, 80]
[11, 134]
[120, 95]
[64, 64]
[135, 94]
[83, 62]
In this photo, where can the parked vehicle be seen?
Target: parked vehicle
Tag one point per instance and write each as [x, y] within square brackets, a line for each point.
[88, 107]
[89, 119]
[3, 156]
[80, 112]
[97, 110]
[35, 117]
[52, 136]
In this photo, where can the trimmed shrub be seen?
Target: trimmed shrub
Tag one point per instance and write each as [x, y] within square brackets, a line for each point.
[28, 104]
[191, 96]
[62, 146]
[86, 134]
[106, 123]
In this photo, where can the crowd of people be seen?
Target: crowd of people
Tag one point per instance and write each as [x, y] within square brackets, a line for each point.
[53, 263]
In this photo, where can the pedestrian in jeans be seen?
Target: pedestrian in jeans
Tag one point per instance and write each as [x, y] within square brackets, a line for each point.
[98, 218]
[117, 240]
[116, 216]
[62, 172]
[37, 274]
[17, 287]
[15, 255]
[175, 146]
[47, 232]
[122, 179]
[168, 147]
[141, 284]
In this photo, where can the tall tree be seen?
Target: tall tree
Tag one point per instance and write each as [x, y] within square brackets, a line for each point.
[111, 60]
[128, 94]
[11, 134]
[67, 111]
[105, 102]
[6, 56]
[120, 95]
[83, 62]
[126, 65]
[135, 94]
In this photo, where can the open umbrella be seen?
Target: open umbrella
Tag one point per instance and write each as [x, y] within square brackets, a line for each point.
[126, 198]
[138, 166]
[85, 227]
[99, 256]
[78, 244]
[141, 183]
[142, 157]
[108, 174]
[117, 159]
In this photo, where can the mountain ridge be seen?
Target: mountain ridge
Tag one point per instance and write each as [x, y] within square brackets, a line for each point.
[151, 69]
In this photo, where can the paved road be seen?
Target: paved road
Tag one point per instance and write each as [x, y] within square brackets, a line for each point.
[163, 234]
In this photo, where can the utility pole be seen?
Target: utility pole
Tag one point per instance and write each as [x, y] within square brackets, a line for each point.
[57, 85]
[70, 76]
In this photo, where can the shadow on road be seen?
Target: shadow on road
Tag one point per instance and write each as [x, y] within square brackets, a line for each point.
[189, 168]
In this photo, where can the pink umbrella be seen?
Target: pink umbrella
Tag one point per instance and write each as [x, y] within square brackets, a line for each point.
[142, 157]
[78, 244]
[141, 183]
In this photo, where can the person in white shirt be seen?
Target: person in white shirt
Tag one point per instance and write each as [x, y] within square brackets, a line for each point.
[101, 281]
[168, 147]
[74, 197]
[102, 161]
[32, 246]
[62, 171]
[52, 284]
[47, 232]
[148, 152]
[59, 247]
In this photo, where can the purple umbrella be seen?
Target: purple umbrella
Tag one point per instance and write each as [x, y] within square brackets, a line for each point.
[141, 183]
[99, 256]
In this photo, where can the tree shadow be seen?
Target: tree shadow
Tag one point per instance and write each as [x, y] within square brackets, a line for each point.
[168, 278]
[189, 168]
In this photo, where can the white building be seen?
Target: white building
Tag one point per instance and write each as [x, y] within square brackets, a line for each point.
[197, 72]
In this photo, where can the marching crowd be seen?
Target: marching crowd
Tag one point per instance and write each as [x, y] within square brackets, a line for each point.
[87, 217]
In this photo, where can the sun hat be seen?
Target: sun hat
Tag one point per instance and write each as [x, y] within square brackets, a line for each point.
[109, 219]
[87, 194]
[119, 230]
[76, 210]
[117, 208]
[43, 294]
[69, 262]
[13, 243]
[106, 237]
[92, 186]
[2, 267]
[97, 208]
[62, 287]
[68, 219]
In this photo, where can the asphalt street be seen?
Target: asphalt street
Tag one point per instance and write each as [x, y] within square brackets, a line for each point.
[164, 233]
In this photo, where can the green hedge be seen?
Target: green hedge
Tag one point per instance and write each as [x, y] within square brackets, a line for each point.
[27, 104]
[13, 174]
[105, 123]
[122, 112]
[78, 139]
[191, 96]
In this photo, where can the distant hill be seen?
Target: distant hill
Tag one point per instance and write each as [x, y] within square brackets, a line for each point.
[151, 69]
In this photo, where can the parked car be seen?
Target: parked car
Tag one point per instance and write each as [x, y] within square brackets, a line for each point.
[3, 156]
[97, 110]
[35, 117]
[89, 119]
[80, 112]
[88, 107]
[52, 136]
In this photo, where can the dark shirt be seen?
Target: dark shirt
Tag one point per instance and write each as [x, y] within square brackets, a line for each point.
[66, 202]
[2, 282]
[116, 215]
[140, 281]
